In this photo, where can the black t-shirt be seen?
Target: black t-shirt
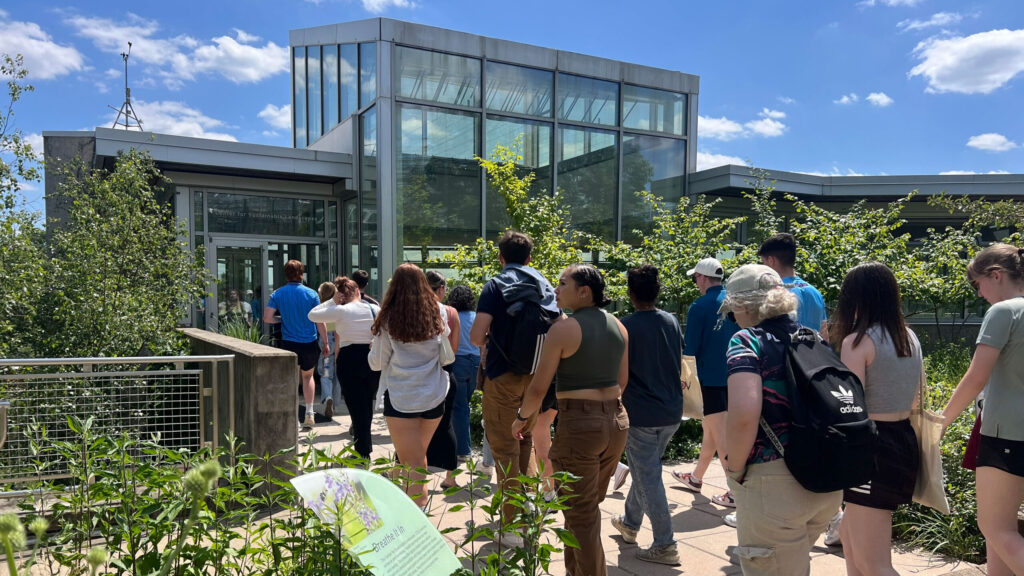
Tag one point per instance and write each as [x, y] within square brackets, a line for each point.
[491, 302]
[654, 395]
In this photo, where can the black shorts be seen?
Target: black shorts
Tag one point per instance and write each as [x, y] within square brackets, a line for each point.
[433, 413]
[308, 352]
[716, 399]
[897, 459]
[1006, 455]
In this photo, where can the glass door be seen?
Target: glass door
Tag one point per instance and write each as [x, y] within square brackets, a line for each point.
[239, 293]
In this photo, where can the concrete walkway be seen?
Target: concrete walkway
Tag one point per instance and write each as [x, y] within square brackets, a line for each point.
[704, 541]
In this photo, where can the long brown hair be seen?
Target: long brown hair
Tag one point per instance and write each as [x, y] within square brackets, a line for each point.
[869, 296]
[409, 311]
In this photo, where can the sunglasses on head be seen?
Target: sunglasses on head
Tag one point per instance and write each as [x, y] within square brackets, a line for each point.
[731, 316]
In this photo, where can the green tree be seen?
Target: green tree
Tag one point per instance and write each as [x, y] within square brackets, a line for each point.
[21, 254]
[545, 219]
[121, 274]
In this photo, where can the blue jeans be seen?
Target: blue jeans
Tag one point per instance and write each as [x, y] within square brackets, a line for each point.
[644, 449]
[464, 370]
[327, 384]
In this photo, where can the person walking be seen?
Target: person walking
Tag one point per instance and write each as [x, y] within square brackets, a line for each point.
[778, 519]
[362, 279]
[467, 362]
[654, 403]
[406, 349]
[590, 355]
[442, 452]
[779, 253]
[326, 291]
[505, 384]
[353, 320]
[298, 333]
[876, 345]
[997, 274]
[707, 339]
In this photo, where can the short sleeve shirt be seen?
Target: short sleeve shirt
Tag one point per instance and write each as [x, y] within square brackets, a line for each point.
[491, 302]
[756, 351]
[810, 309]
[654, 396]
[1003, 329]
[294, 301]
[707, 337]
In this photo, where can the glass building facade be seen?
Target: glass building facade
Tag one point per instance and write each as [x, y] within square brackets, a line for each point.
[425, 102]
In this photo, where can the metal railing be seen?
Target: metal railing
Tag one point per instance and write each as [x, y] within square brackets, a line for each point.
[173, 398]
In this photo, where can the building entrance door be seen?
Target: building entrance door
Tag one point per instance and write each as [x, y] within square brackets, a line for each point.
[237, 296]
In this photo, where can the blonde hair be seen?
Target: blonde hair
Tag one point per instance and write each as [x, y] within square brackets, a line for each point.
[765, 304]
[326, 291]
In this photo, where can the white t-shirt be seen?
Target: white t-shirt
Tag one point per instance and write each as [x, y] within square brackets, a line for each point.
[352, 321]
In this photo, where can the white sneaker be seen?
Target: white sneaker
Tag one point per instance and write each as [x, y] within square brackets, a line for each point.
[310, 421]
[619, 478]
[832, 533]
[730, 520]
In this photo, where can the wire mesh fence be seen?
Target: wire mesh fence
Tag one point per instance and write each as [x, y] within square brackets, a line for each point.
[170, 400]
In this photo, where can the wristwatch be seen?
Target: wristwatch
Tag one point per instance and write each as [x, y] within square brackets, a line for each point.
[519, 415]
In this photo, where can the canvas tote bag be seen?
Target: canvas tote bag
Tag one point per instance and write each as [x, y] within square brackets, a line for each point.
[693, 403]
[930, 488]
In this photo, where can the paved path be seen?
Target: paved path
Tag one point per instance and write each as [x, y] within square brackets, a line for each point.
[704, 541]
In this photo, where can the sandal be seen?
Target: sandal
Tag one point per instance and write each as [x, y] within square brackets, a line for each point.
[724, 500]
[688, 480]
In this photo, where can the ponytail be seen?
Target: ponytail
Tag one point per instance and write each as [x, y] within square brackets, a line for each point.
[587, 275]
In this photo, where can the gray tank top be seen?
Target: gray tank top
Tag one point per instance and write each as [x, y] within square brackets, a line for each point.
[891, 381]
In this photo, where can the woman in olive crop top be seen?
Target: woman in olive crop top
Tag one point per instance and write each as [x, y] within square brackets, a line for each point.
[589, 353]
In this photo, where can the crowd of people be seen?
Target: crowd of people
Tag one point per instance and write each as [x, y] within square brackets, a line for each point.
[546, 354]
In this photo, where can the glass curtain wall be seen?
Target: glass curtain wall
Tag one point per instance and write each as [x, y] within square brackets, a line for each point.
[587, 100]
[438, 184]
[367, 73]
[437, 77]
[588, 175]
[330, 83]
[652, 164]
[313, 94]
[331, 101]
[299, 94]
[348, 63]
[369, 258]
[519, 90]
[653, 110]
[536, 149]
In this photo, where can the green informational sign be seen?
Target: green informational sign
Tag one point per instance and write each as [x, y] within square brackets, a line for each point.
[382, 528]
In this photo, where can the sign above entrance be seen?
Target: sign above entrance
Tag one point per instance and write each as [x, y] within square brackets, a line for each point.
[264, 215]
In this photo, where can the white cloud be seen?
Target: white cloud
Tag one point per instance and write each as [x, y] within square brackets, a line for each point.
[35, 140]
[937, 20]
[170, 117]
[975, 64]
[176, 60]
[991, 142]
[890, 3]
[44, 58]
[378, 6]
[719, 128]
[244, 37]
[970, 172]
[880, 99]
[835, 172]
[787, 100]
[768, 126]
[277, 116]
[846, 99]
[707, 160]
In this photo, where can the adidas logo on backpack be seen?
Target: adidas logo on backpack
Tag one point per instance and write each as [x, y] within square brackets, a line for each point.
[831, 440]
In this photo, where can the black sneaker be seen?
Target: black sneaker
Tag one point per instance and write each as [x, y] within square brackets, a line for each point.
[329, 407]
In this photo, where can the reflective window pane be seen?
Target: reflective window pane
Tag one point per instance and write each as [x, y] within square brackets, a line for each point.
[369, 258]
[331, 104]
[588, 175]
[332, 219]
[519, 90]
[351, 243]
[587, 100]
[367, 73]
[348, 64]
[438, 187]
[299, 91]
[197, 211]
[536, 150]
[437, 77]
[657, 165]
[313, 92]
[654, 110]
[264, 215]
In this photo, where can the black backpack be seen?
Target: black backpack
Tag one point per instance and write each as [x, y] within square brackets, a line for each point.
[831, 440]
[524, 337]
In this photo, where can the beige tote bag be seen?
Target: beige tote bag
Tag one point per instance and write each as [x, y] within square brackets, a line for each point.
[693, 403]
[930, 489]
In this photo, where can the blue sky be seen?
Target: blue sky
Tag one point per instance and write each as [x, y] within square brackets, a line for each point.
[829, 87]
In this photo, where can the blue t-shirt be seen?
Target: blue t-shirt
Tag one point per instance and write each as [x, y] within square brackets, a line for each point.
[707, 340]
[810, 308]
[466, 348]
[294, 301]
[653, 396]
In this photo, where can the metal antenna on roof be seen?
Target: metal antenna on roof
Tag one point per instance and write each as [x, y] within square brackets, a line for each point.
[131, 120]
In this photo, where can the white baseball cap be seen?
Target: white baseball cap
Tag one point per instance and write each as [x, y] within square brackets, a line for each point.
[707, 267]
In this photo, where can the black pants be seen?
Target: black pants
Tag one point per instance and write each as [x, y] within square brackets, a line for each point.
[359, 387]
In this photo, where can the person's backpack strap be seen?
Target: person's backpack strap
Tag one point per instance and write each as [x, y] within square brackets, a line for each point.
[771, 436]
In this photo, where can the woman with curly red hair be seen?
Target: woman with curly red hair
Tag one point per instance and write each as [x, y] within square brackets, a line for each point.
[406, 348]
